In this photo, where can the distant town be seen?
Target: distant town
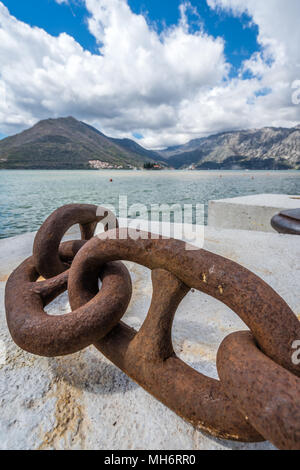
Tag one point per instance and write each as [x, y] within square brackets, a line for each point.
[100, 165]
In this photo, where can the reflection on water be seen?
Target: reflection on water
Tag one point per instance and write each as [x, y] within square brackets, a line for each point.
[28, 197]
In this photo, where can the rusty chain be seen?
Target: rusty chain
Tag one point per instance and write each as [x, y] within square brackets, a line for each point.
[258, 394]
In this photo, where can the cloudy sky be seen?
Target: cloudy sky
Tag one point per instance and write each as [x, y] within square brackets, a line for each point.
[160, 71]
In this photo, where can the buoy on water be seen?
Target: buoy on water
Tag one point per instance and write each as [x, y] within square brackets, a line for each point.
[111, 180]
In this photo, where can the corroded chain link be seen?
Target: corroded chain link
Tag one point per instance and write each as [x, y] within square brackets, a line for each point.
[258, 395]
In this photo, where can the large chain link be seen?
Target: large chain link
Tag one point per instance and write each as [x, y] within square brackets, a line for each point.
[258, 395]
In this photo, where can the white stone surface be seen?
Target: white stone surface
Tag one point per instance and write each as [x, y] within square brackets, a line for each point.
[82, 401]
[249, 212]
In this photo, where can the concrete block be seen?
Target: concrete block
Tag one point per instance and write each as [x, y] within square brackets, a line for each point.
[249, 212]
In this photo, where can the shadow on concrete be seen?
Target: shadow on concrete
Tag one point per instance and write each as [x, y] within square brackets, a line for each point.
[89, 371]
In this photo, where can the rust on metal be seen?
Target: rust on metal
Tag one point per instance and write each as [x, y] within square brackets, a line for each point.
[46, 335]
[46, 244]
[273, 323]
[265, 392]
[168, 378]
[148, 358]
[257, 396]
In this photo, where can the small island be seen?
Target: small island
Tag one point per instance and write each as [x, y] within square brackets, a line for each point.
[153, 166]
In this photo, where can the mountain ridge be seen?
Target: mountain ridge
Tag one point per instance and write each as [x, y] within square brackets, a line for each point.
[66, 143]
[266, 148]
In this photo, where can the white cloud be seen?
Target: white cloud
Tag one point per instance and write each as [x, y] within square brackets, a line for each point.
[169, 88]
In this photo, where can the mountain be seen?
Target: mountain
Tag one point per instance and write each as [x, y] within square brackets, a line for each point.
[66, 143]
[267, 148]
[132, 146]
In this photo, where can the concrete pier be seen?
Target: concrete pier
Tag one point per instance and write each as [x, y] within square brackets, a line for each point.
[249, 212]
[84, 402]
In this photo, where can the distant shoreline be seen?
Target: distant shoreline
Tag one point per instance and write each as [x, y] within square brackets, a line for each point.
[143, 170]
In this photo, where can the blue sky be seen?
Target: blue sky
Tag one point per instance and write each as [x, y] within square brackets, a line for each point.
[240, 34]
[161, 72]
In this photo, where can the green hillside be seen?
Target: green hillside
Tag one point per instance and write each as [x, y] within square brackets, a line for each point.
[66, 143]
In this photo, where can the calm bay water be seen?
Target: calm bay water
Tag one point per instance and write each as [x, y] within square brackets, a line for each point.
[28, 197]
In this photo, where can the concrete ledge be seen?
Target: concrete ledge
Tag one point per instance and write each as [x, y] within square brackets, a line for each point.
[249, 212]
[82, 401]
